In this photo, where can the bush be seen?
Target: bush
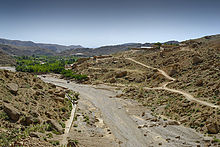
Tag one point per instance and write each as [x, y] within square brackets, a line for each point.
[44, 64]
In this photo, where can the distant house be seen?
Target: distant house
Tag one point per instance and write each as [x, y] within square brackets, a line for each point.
[147, 47]
[143, 48]
[79, 55]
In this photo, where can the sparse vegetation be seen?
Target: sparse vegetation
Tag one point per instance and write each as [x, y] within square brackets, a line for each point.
[32, 106]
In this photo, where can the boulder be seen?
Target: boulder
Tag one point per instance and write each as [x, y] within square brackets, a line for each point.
[27, 120]
[121, 74]
[12, 112]
[59, 99]
[52, 85]
[213, 128]
[34, 113]
[61, 94]
[34, 134]
[196, 60]
[172, 72]
[13, 88]
[173, 122]
[112, 80]
[6, 74]
[55, 125]
[39, 86]
[50, 91]
[199, 83]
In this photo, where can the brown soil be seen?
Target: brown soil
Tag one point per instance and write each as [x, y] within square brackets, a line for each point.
[26, 103]
[195, 66]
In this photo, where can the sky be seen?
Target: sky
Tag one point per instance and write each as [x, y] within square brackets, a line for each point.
[93, 23]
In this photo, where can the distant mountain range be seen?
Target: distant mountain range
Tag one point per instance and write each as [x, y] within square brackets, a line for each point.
[53, 47]
[105, 50]
[27, 48]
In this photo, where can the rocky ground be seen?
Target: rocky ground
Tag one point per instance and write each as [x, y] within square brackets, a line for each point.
[89, 128]
[32, 112]
[195, 66]
[103, 116]
[120, 71]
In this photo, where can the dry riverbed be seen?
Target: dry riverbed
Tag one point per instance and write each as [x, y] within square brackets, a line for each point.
[103, 119]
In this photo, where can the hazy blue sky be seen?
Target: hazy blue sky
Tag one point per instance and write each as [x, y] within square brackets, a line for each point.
[94, 23]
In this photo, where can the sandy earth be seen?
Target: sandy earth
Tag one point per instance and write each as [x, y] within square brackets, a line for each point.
[126, 120]
[185, 94]
[123, 122]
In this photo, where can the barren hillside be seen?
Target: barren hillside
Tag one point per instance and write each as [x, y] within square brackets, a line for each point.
[5, 59]
[32, 113]
[179, 82]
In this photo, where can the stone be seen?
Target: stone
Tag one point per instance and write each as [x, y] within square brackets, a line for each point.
[56, 126]
[112, 80]
[173, 122]
[33, 134]
[196, 60]
[183, 120]
[13, 88]
[48, 114]
[38, 93]
[27, 120]
[12, 112]
[59, 99]
[199, 83]
[121, 74]
[213, 128]
[61, 94]
[39, 86]
[172, 72]
[6, 73]
[50, 91]
[52, 85]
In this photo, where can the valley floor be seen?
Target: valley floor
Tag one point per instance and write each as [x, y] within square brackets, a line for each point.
[121, 122]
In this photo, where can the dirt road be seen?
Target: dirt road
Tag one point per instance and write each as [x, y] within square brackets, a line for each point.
[185, 94]
[122, 126]
[126, 128]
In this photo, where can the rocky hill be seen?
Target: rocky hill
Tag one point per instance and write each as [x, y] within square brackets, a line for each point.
[6, 59]
[179, 82]
[25, 51]
[32, 113]
[52, 47]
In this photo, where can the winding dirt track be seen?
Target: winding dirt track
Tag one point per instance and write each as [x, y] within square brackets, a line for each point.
[185, 94]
